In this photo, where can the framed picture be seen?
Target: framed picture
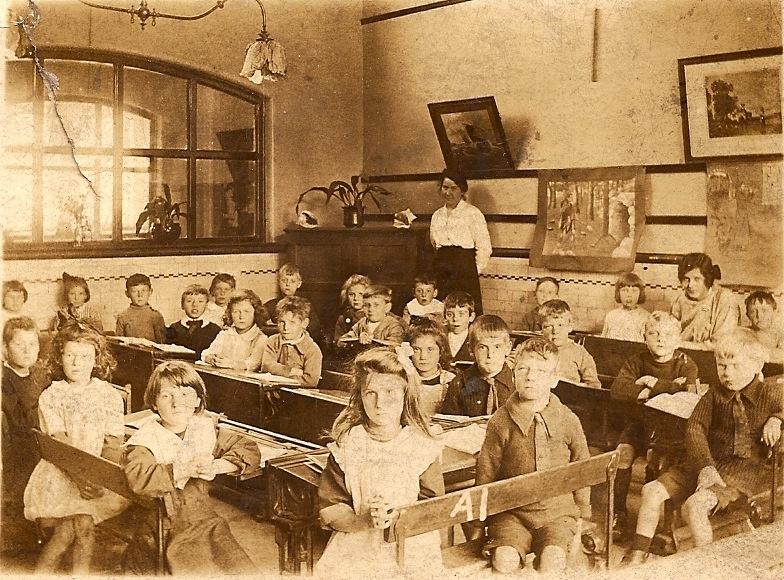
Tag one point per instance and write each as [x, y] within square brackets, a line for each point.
[589, 219]
[471, 135]
[731, 104]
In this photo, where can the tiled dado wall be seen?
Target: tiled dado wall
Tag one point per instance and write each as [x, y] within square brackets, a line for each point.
[106, 278]
[508, 286]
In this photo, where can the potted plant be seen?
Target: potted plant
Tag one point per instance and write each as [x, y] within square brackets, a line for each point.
[164, 217]
[351, 196]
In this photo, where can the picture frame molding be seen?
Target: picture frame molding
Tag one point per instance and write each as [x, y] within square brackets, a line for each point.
[486, 104]
[683, 63]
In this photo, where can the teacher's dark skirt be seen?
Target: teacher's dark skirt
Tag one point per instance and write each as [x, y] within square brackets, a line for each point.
[455, 269]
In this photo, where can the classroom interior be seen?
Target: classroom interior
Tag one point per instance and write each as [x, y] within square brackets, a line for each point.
[578, 85]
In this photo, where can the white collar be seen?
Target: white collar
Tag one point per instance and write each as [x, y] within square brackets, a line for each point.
[184, 321]
[13, 370]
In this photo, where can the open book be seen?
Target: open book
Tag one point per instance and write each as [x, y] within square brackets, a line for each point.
[679, 404]
[136, 341]
[467, 439]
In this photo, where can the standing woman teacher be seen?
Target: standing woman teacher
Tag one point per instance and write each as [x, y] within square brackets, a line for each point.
[458, 232]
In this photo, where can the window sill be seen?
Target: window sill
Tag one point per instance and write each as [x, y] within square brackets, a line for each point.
[138, 248]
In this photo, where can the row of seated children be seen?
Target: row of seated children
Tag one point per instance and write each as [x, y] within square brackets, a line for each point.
[80, 349]
[237, 342]
[176, 455]
[626, 321]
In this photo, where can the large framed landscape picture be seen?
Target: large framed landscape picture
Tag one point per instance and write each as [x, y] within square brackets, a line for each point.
[731, 104]
[471, 135]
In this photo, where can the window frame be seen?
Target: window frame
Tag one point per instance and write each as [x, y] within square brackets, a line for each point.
[188, 243]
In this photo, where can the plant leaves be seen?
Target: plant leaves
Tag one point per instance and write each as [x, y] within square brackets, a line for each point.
[325, 190]
[142, 219]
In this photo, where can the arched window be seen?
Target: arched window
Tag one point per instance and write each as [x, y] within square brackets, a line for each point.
[140, 128]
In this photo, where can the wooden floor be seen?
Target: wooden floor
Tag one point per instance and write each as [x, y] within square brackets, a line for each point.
[257, 539]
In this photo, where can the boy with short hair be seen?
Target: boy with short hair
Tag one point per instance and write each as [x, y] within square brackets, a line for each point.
[220, 291]
[485, 386]
[574, 362]
[378, 323]
[761, 311]
[424, 304]
[644, 375]
[533, 431]
[140, 319]
[193, 331]
[547, 289]
[459, 314]
[292, 352]
[289, 281]
[22, 385]
[728, 441]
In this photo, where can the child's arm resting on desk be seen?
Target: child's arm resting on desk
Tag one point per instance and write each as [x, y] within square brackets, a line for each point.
[686, 374]
[241, 452]
[335, 503]
[588, 373]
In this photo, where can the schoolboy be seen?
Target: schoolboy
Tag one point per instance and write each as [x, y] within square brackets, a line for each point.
[459, 314]
[546, 289]
[424, 304]
[22, 384]
[220, 291]
[761, 311]
[728, 441]
[574, 362]
[533, 431]
[14, 298]
[485, 386]
[292, 352]
[378, 323]
[645, 375]
[193, 330]
[289, 281]
[140, 319]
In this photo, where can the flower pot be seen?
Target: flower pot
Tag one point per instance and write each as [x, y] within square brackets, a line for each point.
[353, 216]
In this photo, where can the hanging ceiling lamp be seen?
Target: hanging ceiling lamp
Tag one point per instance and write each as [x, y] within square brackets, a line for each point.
[265, 59]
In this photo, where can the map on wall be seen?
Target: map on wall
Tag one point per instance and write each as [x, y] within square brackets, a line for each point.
[744, 234]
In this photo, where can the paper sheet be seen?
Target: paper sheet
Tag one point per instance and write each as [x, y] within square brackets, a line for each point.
[679, 404]
[466, 439]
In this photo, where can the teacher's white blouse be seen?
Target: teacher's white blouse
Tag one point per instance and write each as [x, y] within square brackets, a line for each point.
[464, 226]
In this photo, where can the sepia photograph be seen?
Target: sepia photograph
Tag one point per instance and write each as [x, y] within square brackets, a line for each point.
[392, 289]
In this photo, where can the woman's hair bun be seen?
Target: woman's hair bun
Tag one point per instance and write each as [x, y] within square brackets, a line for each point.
[716, 272]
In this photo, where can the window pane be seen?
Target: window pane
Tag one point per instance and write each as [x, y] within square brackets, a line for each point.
[18, 123]
[225, 198]
[71, 210]
[162, 100]
[143, 179]
[224, 122]
[84, 101]
[16, 176]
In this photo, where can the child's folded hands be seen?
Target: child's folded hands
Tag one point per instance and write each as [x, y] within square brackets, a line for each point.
[382, 514]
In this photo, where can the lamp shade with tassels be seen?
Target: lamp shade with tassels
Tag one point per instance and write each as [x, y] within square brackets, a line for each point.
[265, 60]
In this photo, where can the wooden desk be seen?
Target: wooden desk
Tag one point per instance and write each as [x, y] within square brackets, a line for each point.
[610, 354]
[293, 508]
[300, 413]
[135, 365]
